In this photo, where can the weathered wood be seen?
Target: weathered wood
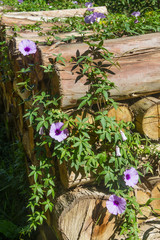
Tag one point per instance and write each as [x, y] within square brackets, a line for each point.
[121, 113]
[138, 57]
[82, 214]
[147, 115]
[70, 178]
[150, 229]
[156, 202]
[139, 72]
[142, 197]
[23, 18]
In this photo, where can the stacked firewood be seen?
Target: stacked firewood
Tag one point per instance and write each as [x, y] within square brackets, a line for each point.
[81, 213]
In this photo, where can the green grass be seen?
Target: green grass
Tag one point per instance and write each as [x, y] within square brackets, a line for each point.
[14, 190]
[113, 26]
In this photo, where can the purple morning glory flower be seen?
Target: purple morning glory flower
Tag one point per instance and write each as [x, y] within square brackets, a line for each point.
[90, 9]
[56, 132]
[20, 1]
[99, 16]
[94, 17]
[136, 14]
[118, 154]
[124, 138]
[41, 131]
[89, 4]
[74, 2]
[131, 177]
[27, 47]
[116, 205]
[90, 18]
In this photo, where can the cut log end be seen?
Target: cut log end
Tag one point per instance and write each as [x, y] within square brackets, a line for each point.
[82, 214]
[147, 114]
[121, 113]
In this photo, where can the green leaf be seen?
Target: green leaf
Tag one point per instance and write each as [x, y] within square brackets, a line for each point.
[46, 207]
[82, 104]
[108, 136]
[103, 122]
[46, 124]
[105, 94]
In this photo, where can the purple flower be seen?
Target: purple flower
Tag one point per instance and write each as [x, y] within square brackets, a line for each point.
[131, 177]
[136, 21]
[27, 47]
[20, 1]
[1, 2]
[90, 18]
[99, 16]
[57, 133]
[124, 138]
[41, 131]
[90, 9]
[118, 154]
[136, 14]
[116, 205]
[89, 4]
[94, 17]
[74, 2]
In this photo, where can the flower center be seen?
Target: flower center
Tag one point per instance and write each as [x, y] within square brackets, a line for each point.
[116, 203]
[57, 132]
[128, 176]
[27, 49]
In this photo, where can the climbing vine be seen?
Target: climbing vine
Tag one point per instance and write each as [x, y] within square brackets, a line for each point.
[87, 139]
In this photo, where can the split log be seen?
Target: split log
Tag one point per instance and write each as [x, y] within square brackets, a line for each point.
[121, 113]
[31, 17]
[156, 194]
[142, 197]
[150, 230]
[147, 115]
[82, 214]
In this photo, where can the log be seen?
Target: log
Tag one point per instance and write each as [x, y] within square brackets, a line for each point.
[24, 18]
[82, 214]
[156, 194]
[139, 72]
[142, 197]
[122, 113]
[147, 117]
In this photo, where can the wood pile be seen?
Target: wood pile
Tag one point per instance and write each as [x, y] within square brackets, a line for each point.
[137, 78]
